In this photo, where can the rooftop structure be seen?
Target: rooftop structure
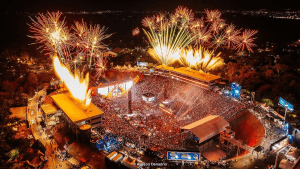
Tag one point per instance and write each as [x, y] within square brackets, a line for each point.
[205, 77]
[72, 109]
[19, 112]
[207, 127]
[49, 109]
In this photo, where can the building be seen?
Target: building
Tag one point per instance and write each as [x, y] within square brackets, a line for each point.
[50, 114]
[75, 115]
[110, 53]
[201, 79]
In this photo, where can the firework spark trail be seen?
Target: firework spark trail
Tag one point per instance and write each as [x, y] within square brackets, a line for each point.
[200, 59]
[200, 101]
[192, 105]
[186, 100]
[100, 67]
[175, 98]
[247, 40]
[232, 36]
[212, 15]
[168, 34]
[184, 13]
[135, 31]
[203, 36]
[88, 40]
[52, 33]
[218, 41]
[167, 37]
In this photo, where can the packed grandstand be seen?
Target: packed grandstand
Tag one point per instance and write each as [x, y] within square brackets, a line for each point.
[157, 124]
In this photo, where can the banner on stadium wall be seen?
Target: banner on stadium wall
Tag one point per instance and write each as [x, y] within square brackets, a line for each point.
[183, 156]
[283, 103]
[143, 64]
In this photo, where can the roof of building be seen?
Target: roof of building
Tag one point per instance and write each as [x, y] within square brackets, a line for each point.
[49, 108]
[207, 127]
[116, 50]
[129, 160]
[112, 155]
[73, 109]
[113, 54]
[294, 153]
[19, 112]
[284, 163]
[118, 157]
[191, 73]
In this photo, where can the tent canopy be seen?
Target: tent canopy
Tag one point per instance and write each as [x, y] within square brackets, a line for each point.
[207, 127]
[285, 164]
[294, 153]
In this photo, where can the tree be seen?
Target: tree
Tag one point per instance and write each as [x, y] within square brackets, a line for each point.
[32, 79]
[24, 55]
[4, 111]
[269, 60]
[20, 90]
[269, 74]
[30, 90]
[9, 86]
[280, 68]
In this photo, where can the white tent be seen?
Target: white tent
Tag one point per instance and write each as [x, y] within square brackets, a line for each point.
[293, 154]
[285, 164]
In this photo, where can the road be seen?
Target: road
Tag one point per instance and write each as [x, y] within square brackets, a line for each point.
[38, 133]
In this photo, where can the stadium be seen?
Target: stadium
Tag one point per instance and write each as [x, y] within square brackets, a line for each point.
[170, 110]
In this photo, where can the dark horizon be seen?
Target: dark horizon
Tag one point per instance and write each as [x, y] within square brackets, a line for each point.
[155, 5]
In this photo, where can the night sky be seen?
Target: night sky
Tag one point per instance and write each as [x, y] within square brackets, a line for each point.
[94, 5]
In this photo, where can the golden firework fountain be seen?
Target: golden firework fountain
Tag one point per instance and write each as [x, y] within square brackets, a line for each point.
[77, 86]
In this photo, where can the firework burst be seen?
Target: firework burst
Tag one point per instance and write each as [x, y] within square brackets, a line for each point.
[213, 15]
[218, 41]
[232, 36]
[52, 33]
[83, 43]
[185, 14]
[202, 36]
[88, 40]
[167, 39]
[246, 40]
[200, 59]
[100, 67]
[135, 31]
[148, 22]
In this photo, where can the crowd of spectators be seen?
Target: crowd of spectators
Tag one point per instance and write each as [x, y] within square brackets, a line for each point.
[145, 124]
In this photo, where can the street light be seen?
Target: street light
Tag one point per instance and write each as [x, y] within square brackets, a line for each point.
[286, 107]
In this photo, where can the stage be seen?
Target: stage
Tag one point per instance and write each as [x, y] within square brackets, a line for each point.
[213, 153]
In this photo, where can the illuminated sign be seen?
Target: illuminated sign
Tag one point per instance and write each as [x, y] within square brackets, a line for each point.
[103, 91]
[128, 85]
[143, 64]
[183, 156]
[106, 90]
[286, 104]
[235, 90]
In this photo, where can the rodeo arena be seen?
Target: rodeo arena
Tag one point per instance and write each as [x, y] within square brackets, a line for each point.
[176, 116]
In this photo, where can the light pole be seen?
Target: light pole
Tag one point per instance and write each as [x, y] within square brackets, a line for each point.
[252, 96]
[286, 107]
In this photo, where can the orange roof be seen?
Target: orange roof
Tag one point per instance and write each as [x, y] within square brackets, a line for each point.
[49, 108]
[191, 73]
[207, 127]
[19, 112]
[73, 109]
